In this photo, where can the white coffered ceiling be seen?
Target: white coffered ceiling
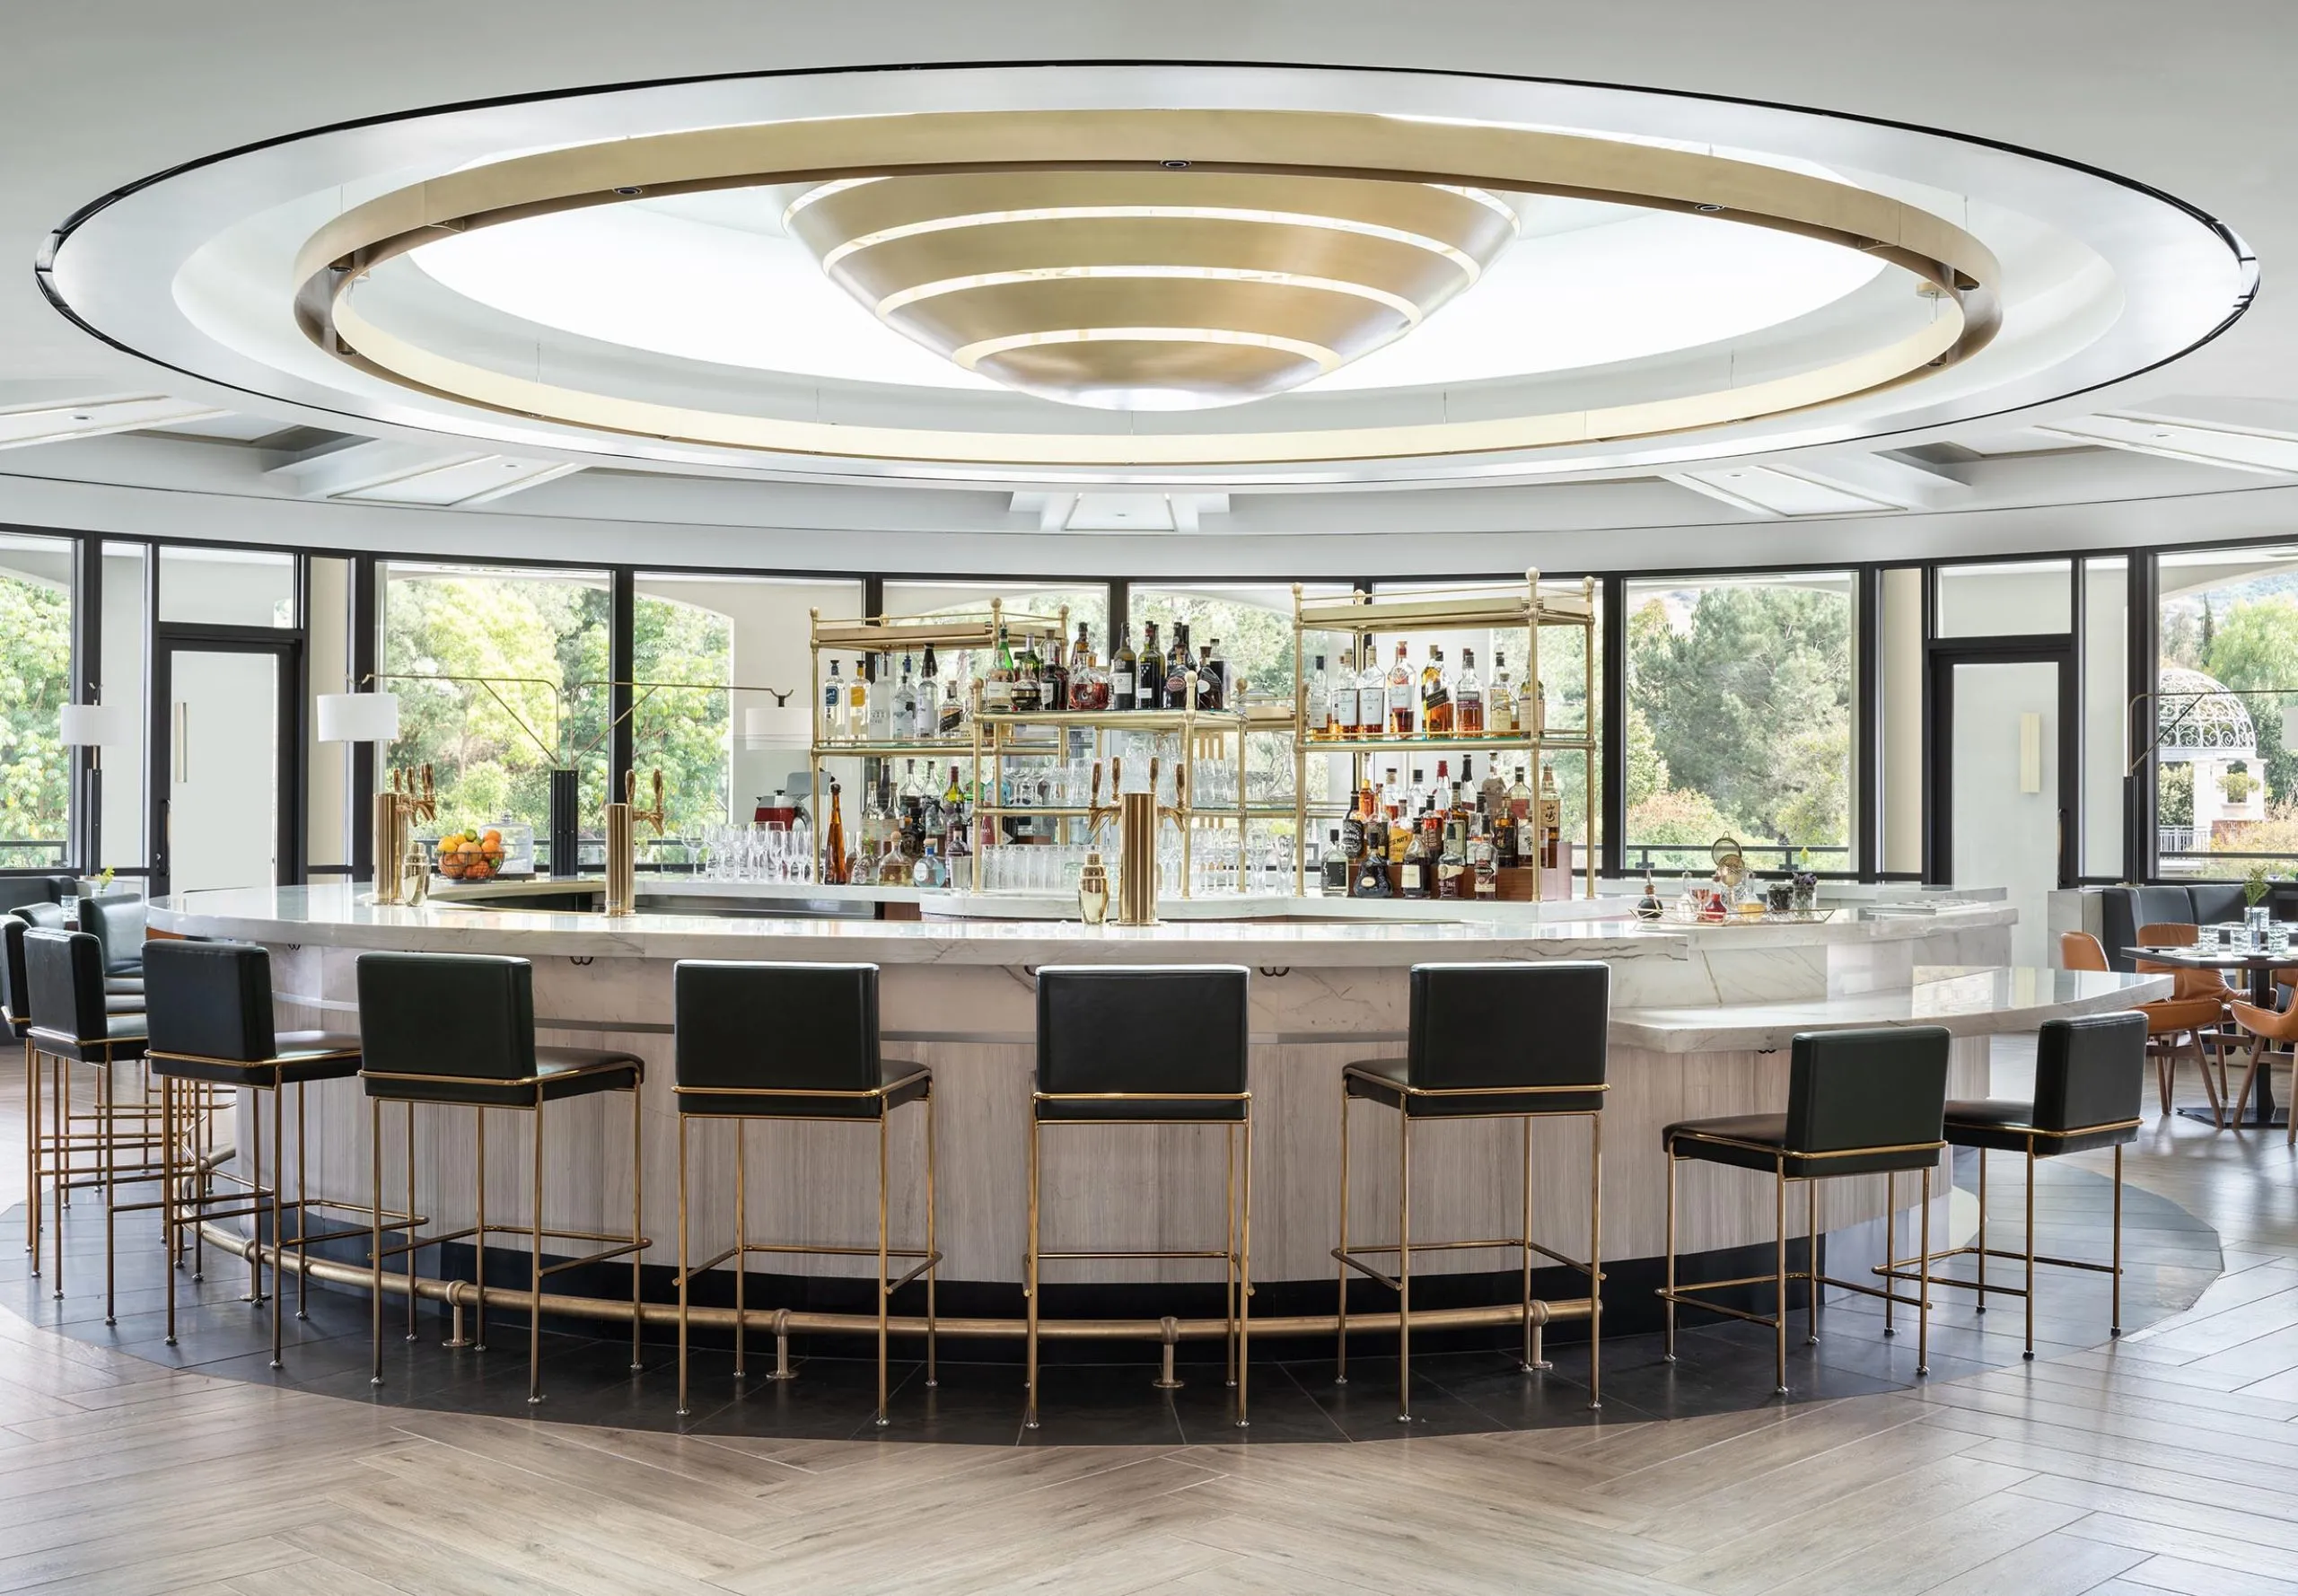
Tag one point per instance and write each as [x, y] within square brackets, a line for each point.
[2192, 105]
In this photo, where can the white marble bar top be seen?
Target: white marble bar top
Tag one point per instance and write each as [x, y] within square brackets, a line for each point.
[1968, 1000]
[338, 915]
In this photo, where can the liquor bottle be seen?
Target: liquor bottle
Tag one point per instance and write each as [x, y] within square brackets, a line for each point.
[1453, 858]
[1335, 867]
[882, 698]
[857, 701]
[1500, 703]
[1216, 666]
[906, 729]
[833, 707]
[1401, 698]
[1467, 699]
[950, 718]
[1505, 853]
[1178, 668]
[1340, 701]
[1531, 707]
[997, 686]
[1483, 857]
[1356, 824]
[1316, 715]
[1123, 665]
[1089, 684]
[1372, 876]
[834, 839]
[1060, 674]
[1209, 679]
[1551, 819]
[1520, 813]
[913, 786]
[1417, 795]
[1029, 678]
[1149, 675]
[929, 695]
[1412, 876]
[929, 871]
[1435, 697]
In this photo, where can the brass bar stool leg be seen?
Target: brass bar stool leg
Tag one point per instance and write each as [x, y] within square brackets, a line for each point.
[255, 1194]
[1030, 1282]
[410, 1202]
[1532, 1338]
[933, 1245]
[1668, 1298]
[1595, 1258]
[682, 1262]
[168, 1195]
[1811, 1262]
[303, 1200]
[1229, 1250]
[1922, 1287]
[278, 1180]
[742, 1245]
[1245, 1276]
[61, 1166]
[2030, 1352]
[1891, 1242]
[2115, 1323]
[31, 1153]
[106, 1128]
[1779, 1276]
[478, 1243]
[1404, 1266]
[883, 1280]
[375, 1227]
[1340, 1345]
[534, 1240]
[637, 1226]
[1982, 1231]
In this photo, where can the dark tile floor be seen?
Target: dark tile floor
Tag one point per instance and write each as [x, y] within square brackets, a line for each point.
[1721, 1366]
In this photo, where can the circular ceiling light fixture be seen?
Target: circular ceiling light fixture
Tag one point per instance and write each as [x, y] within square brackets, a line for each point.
[1172, 289]
[1149, 274]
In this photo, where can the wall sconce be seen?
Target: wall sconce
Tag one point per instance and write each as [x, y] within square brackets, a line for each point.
[2030, 752]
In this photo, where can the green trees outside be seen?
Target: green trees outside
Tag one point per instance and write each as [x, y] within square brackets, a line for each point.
[35, 681]
[683, 731]
[2249, 642]
[1740, 721]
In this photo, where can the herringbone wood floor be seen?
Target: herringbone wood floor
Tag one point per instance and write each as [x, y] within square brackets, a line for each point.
[2167, 1462]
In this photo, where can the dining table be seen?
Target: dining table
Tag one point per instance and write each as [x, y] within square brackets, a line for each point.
[2259, 964]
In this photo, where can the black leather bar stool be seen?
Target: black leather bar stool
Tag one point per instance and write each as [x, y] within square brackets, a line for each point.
[458, 1031]
[1859, 1102]
[2090, 1083]
[211, 1026]
[16, 1016]
[72, 1024]
[117, 924]
[1138, 1046]
[1488, 1041]
[793, 1041]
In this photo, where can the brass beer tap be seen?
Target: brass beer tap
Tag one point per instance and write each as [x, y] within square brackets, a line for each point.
[410, 796]
[623, 820]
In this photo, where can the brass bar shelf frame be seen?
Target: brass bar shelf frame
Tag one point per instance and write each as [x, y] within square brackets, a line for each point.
[1363, 617]
[1205, 734]
[964, 633]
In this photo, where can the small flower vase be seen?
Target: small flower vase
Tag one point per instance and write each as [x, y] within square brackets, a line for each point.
[1806, 896]
[2257, 917]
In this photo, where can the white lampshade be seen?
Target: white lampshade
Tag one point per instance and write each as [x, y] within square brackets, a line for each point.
[96, 725]
[358, 717]
[764, 726]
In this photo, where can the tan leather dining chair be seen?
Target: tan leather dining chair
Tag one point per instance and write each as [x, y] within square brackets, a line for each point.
[2168, 1019]
[2193, 983]
[2266, 1026]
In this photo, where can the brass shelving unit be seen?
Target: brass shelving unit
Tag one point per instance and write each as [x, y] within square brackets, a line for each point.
[954, 634]
[1363, 617]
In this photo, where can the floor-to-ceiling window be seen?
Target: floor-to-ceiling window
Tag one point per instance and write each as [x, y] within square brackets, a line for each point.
[35, 683]
[2226, 777]
[502, 675]
[1739, 715]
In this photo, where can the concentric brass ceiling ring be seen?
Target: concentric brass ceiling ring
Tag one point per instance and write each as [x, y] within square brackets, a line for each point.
[1290, 144]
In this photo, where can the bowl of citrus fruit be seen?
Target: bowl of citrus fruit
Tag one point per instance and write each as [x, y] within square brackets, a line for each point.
[471, 856]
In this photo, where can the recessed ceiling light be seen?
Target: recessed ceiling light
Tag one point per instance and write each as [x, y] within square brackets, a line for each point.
[79, 417]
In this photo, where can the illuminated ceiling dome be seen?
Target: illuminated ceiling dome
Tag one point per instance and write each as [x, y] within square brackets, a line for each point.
[2195, 713]
[1158, 290]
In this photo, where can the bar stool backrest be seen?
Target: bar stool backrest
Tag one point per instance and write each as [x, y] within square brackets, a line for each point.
[117, 924]
[209, 1000]
[452, 1015]
[1883, 1087]
[15, 996]
[1146, 1029]
[64, 971]
[776, 1027]
[2089, 1071]
[1509, 1025]
[44, 917]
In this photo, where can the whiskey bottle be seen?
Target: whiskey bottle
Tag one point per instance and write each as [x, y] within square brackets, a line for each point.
[1467, 699]
[1316, 715]
[1412, 876]
[1089, 684]
[1029, 684]
[1483, 857]
[1453, 858]
[1435, 697]
[949, 719]
[1402, 715]
[1372, 696]
[1500, 703]
[997, 686]
[1551, 819]
[1340, 702]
